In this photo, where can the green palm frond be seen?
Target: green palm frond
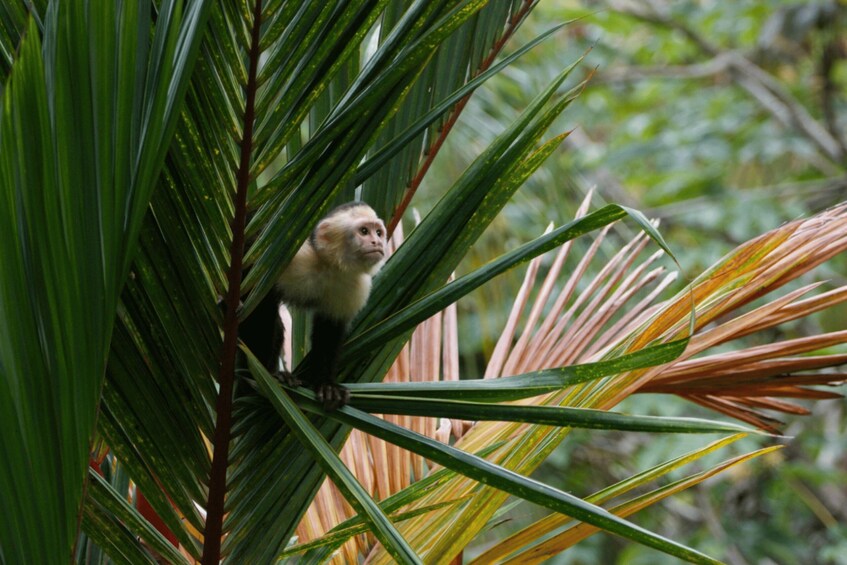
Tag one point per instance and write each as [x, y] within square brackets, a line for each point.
[82, 140]
[321, 100]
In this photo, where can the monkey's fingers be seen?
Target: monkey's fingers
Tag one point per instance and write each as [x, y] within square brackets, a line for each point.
[332, 396]
[286, 378]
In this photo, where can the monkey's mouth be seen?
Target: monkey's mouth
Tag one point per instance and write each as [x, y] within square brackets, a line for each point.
[379, 252]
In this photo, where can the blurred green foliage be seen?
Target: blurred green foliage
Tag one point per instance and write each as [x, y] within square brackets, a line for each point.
[701, 153]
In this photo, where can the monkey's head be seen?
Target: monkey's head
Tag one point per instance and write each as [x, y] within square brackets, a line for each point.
[352, 237]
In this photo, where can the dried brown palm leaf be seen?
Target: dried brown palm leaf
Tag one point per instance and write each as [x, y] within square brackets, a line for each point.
[607, 318]
[751, 379]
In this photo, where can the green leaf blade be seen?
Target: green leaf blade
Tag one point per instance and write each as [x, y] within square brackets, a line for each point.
[326, 457]
[546, 415]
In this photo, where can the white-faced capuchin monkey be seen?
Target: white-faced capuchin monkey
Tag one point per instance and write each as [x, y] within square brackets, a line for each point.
[331, 276]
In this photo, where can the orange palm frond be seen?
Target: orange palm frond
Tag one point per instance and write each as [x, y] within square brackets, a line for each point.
[608, 317]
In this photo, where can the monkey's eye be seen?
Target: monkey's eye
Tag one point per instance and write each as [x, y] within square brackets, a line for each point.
[363, 230]
[379, 233]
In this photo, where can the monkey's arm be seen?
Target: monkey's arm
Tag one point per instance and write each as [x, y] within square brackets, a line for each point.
[327, 337]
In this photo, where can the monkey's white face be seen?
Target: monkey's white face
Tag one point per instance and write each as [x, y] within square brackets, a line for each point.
[352, 239]
[367, 241]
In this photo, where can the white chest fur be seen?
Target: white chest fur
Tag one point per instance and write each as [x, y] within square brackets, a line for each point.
[311, 283]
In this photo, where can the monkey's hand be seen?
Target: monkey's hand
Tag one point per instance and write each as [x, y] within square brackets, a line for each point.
[332, 395]
[286, 378]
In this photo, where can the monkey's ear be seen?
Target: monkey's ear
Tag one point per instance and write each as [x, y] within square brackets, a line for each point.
[329, 240]
[323, 233]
